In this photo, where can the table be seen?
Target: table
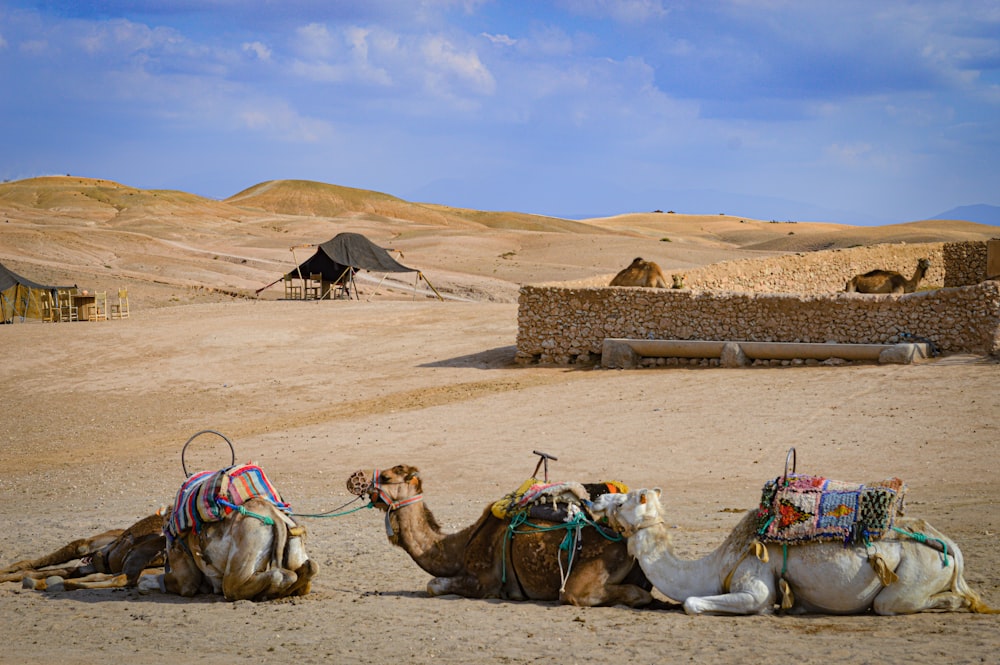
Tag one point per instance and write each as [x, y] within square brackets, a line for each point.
[86, 305]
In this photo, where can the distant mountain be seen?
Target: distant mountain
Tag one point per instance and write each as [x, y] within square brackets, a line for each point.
[981, 213]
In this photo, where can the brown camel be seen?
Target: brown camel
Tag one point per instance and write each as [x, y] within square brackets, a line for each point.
[252, 554]
[112, 559]
[640, 273]
[484, 561]
[887, 281]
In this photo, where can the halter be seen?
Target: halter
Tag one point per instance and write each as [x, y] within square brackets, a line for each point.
[377, 486]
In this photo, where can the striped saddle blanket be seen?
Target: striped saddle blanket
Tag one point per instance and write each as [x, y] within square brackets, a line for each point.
[210, 496]
[799, 508]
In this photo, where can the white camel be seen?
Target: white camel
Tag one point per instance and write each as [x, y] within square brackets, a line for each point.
[744, 576]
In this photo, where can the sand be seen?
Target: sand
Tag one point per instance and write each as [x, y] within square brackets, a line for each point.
[96, 414]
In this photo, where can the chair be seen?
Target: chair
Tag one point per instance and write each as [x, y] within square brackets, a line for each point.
[49, 311]
[99, 312]
[314, 286]
[119, 311]
[68, 311]
[293, 291]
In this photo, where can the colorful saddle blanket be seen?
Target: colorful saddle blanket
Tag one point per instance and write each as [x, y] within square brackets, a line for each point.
[533, 492]
[211, 495]
[799, 508]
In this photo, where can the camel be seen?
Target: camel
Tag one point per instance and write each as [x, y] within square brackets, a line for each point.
[640, 273]
[743, 576]
[113, 559]
[887, 281]
[252, 554]
[484, 561]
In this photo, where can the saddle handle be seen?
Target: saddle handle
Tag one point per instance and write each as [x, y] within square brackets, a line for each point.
[543, 461]
[789, 457]
[232, 451]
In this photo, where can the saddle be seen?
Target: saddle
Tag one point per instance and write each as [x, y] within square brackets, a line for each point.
[210, 496]
[553, 502]
[799, 508]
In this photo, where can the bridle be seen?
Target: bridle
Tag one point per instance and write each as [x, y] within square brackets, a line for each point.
[377, 487]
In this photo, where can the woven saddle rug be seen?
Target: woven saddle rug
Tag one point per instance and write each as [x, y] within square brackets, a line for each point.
[556, 497]
[210, 496]
[799, 508]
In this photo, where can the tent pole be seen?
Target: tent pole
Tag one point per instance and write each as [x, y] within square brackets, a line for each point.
[431, 285]
[369, 299]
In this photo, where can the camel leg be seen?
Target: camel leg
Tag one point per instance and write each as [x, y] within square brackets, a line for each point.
[751, 594]
[74, 550]
[588, 586]
[466, 586]
[182, 576]
[923, 584]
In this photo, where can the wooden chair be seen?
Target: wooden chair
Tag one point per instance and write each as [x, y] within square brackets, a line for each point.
[50, 312]
[314, 286]
[68, 311]
[99, 312]
[119, 311]
[293, 291]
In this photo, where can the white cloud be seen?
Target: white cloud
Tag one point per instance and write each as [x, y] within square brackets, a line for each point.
[502, 40]
[258, 50]
[445, 62]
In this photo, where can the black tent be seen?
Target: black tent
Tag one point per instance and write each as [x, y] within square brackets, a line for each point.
[21, 297]
[339, 258]
[346, 251]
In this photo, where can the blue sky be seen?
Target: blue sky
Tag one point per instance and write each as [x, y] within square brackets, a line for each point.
[853, 112]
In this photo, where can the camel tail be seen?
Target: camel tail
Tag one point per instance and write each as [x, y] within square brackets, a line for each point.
[962, 588]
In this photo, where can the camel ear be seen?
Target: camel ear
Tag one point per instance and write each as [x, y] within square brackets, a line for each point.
[642, 498]
[413, 478]
[658, 492]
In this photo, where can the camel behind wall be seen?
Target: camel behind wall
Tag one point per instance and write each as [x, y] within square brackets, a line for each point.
[641, 273]
[887, 281]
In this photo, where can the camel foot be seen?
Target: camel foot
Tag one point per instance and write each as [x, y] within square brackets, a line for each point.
[151, 584]
[54, 584]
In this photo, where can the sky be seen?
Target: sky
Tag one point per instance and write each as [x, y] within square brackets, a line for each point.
[854, 112]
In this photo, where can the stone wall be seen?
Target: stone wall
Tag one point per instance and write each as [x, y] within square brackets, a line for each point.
[793, 300]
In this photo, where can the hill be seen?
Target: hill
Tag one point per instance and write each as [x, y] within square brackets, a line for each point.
[174, 247]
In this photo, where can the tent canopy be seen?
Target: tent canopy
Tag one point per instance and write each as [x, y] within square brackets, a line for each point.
[19, 296]
[347, 250]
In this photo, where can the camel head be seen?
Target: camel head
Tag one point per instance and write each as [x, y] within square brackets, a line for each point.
[923, 265]
[627, 513]
[394, 488]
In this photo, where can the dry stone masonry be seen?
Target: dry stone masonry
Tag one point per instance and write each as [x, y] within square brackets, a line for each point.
[794, 298]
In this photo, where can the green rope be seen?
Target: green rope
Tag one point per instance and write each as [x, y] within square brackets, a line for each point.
[263, 518]
[579, 521]
[923, 538]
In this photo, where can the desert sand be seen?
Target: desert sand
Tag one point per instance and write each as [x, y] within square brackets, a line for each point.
[96, 415]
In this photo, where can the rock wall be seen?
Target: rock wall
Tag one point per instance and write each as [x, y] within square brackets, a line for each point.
[793, 300]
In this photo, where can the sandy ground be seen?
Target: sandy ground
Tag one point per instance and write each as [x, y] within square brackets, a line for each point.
[95, 416]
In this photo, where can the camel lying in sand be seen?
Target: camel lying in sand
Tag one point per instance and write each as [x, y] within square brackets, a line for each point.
[887, 281]
[484, 561]
[743, 576]
[112, 559]
[640, 273]
[225, 538]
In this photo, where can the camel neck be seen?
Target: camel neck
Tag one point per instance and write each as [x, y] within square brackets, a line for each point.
[421, 538]
[675, 577]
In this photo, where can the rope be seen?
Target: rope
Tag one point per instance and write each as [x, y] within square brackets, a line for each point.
[338, 511]
[924, 539]
[243, 511]
[569, 544]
